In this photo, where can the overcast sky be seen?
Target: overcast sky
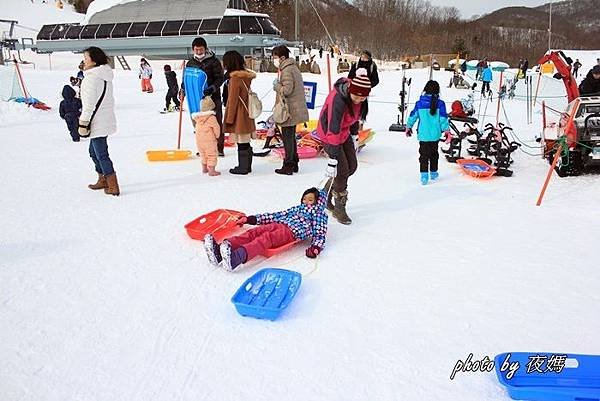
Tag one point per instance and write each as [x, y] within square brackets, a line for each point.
[470, 7]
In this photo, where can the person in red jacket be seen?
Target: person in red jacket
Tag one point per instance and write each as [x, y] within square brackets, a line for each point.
[337, 128]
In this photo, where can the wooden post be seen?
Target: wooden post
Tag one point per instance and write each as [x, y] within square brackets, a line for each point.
[556, 156]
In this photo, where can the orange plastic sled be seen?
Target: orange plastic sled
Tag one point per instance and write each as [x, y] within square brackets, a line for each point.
[476, 168]
[221, 223]
[168, 155]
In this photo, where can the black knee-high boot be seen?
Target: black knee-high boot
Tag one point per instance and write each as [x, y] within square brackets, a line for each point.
[244, 160]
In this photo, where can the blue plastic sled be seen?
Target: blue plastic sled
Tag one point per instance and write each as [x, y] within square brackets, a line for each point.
[267, 293]
[578, 381]
[194, 81]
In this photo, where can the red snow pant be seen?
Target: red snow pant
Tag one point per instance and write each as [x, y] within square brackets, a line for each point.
[257, 240]
[147, 85]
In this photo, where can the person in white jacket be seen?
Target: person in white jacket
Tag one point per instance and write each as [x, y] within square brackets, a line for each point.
[97, 120]
[145, 75]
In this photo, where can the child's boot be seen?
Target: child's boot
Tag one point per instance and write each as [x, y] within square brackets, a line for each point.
[232, 258]
[212, 172]
[204, 168]
[424, 178]
[434, 175]
[212, 250]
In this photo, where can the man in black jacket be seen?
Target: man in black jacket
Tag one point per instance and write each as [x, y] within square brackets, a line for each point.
[173, 90]
[365, 61]
[208, 62]
[591, 84]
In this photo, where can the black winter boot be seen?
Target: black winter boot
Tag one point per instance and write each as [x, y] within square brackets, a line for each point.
[250, 155]
[244, 160]
[286, 169]
[339, 211]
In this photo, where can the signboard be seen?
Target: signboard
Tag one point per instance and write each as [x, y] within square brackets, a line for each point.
[310, 94]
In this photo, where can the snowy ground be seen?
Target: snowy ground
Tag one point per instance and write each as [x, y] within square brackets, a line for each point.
[105, 298]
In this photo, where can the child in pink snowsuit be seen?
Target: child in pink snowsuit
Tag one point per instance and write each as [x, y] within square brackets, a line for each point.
[274, 230]
[207, 131]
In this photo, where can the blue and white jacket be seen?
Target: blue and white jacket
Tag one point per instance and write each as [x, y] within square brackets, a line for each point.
[430, 127]
[304, 221]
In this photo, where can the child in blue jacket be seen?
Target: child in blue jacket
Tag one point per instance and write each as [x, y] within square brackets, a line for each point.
[70, 110]
[430, 111]
[306, 220]
[487, 77]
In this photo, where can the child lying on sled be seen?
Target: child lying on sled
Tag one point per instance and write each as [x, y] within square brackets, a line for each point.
[308, 219]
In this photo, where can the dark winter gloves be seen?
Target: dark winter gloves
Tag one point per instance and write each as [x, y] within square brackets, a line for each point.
[313, 251]
[408, 132]
[209, 91]
[84, 129]
[331, 170]
[246, 220]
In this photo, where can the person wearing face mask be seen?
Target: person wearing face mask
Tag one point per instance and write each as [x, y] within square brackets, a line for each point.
[208, 62]
[337, 128]
[290, 87]
[365, 61]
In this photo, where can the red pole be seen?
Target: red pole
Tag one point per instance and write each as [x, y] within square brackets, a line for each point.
[180, 110]
[556, 156]
[328, 72]
[499, 89]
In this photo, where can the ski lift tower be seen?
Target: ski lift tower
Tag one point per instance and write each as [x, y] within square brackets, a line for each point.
[7, 42]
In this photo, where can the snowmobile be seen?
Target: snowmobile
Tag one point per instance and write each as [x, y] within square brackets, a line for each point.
[577, 132]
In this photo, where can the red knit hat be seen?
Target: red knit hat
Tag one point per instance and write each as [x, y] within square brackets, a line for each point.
[360, 85]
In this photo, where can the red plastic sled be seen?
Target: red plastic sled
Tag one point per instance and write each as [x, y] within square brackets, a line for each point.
[476, 168]
[221, 223]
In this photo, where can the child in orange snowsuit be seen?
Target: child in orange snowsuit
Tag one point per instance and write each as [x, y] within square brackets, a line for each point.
[207, 132]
